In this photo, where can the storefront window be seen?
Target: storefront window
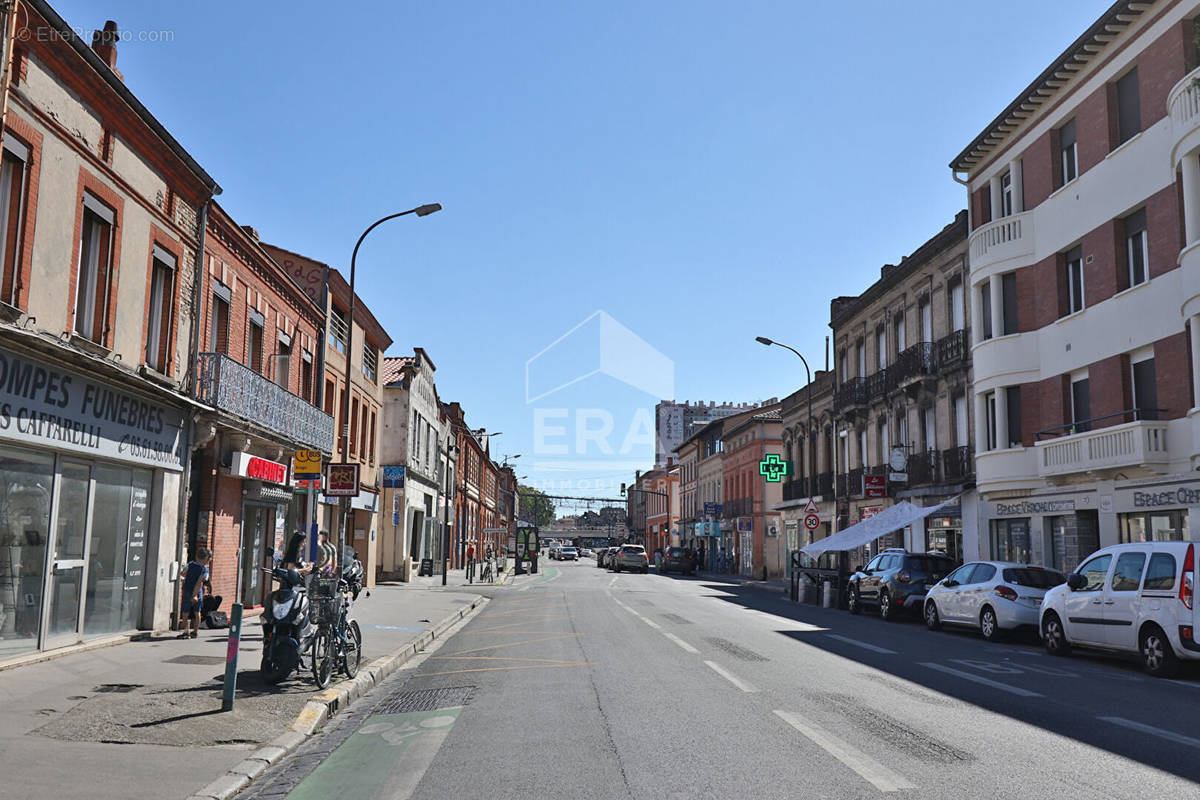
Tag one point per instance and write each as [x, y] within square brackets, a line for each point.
[117, 556]
[1154, 526]
[1010, 540]
[945, 534]
[25, 483]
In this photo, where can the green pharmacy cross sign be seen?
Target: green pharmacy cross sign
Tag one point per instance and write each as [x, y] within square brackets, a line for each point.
[773, 468]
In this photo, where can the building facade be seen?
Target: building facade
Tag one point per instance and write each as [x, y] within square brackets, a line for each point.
[808, 448]
[750, 499]
[902, 409]
[676, 422]
[1085, 278]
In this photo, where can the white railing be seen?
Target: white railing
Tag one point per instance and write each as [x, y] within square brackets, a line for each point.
[1184, 100]
[1007, 237]
[1121, 446]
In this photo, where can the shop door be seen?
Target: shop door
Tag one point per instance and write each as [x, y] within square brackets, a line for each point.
[68, 566]
[258, 527]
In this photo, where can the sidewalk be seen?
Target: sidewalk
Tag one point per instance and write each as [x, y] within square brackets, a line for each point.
[143, 719]
[776, 586]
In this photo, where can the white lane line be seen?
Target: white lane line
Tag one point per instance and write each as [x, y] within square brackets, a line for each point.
[882, 778]
[677, 640]
[1150, 729]
[1189, 684]
[1004, 687]
[863, 645]
[648, 621]
[614, 580]
[729, 676]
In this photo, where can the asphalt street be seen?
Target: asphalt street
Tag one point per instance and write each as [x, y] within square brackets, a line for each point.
[580, 683]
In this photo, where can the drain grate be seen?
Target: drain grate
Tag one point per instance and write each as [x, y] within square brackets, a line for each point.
[117, 688]
[196, 660]
[425, 700]
[678, 620]
[735, 650]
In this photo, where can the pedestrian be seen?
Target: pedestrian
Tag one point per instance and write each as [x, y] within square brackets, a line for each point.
[293, 556]
[700, 562]
[471, 562]
[194, 578]
[326, 555]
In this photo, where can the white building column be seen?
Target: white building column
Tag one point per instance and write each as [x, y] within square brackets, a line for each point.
[981, 438]
[997, 298]
[1195, 329]
[1191, 196]
[1002, 439]
[1018, 185]
[976, 314]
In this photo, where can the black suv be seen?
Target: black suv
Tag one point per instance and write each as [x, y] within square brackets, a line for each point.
[896, 579]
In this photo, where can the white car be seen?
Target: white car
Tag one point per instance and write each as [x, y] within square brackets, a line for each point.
[992, 596]
[568, 553]
[1132, 598]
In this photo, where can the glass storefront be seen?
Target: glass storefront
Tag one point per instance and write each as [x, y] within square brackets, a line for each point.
[1154, 526]
[944, 534]
[1010, 540]
[26, 482]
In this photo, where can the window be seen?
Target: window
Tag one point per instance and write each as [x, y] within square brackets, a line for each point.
[1074, 267]
[985, 308]
[1127, 575]
[1010, 540]
[12, 209]
[95, 274]
[1013, 401]
[989, 401]
[1095, 571]
[960, 420]
[254, 345]
[330, 389]
[162, 303]
[1129, 110]
[860, 357]
[364, 442]
[416, 434]
[925, 312]
[1081, 406]
[1145, 390]
[370, 361]
[306, 375]
[928, 432]
[1154, 526]
[218, 326]
[862, 448]
[353, 426]
[1068, 153]
[1006, 195]
[882, 440]
[283, 361]
[983, 573]
[338, 329]
[1137, 254]
[901, 343]
[880, 348]
[842, 366]
[1008, 288]
[957, 315]
[1160, 575]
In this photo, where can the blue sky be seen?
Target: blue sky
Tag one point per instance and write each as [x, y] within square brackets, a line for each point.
[702, 171]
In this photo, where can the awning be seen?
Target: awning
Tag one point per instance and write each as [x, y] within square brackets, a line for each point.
[891, 519]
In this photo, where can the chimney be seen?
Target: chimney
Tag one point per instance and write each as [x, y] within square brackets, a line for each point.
[105, 44]
[251, 232]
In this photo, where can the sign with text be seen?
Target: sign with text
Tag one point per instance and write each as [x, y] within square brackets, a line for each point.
[307, 463]
[713, 508]
[393, 477]
[341, 480]
[44, 405]
[874, 486]
[867, 512]
[245, 465]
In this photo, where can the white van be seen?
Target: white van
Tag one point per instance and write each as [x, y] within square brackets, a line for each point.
[1134, 598]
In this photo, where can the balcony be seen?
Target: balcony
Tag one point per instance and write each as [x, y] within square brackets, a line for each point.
[236, 389]
[1006, 239]
[878, 385]
[1183, 104]
[795, 489]
[854, 486]
[953, 349]
[958, 464]
[1140, 444]
[825, 484]
[922, 468]
[842, 481]
[851, 394]
[913, 365]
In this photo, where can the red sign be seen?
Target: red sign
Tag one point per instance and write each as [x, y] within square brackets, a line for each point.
[867, 512]
[811, 521]
[248, 466]
[341, 480]
[874, 486]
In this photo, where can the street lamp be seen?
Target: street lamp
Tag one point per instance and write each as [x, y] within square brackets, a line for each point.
[812, 453]
[420, 211]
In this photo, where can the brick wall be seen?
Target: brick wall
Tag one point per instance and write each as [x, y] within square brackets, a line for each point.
[1099, 247]
[1037, 171]
[1092, 128]
[1164, 229]
[1109, 389]
[1160, 66]
[1173, 373]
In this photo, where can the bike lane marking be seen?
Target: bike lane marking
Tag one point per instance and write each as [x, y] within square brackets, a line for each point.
[879, 776]
[389, 750]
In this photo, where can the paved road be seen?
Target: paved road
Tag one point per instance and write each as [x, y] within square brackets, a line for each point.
[583, 684]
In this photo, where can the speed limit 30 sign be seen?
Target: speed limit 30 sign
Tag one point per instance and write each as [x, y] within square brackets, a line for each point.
[811, 521]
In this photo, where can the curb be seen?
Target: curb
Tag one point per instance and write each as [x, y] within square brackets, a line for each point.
[322, 706]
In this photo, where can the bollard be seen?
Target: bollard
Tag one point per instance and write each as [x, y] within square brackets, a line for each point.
[231, 657]
[827, 595]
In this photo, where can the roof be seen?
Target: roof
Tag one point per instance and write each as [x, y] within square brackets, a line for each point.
[1060, 72]
[394, 367]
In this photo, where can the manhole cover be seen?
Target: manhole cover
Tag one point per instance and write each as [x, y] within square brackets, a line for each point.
[117, 687]
[425, 700]
[735, 650]
[196, 660]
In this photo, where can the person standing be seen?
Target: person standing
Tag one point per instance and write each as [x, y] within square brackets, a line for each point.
[195, 577]
[293, 556]
[326, 555]
[471, 562]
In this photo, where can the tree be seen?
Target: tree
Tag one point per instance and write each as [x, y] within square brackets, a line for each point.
[535, 506]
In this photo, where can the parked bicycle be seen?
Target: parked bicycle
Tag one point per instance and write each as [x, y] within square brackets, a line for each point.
[338, 641]
[489, 571]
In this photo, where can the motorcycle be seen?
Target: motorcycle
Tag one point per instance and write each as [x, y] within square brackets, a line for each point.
[288, 628]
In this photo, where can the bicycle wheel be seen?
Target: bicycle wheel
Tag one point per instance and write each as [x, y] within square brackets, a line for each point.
[352, 656]
[322, 656]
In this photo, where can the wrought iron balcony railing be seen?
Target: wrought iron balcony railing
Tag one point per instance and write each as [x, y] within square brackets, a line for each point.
[958, 464]
[854, 483]
[915, 362]
[952, 349]
[850, 394]
[922, 467]
[239, 390]
[825, 484]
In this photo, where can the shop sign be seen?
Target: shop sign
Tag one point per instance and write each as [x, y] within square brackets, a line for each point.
[247, 466]
[1180, 496]
[1027, 507]
[52, 407]
[393, 477]
[866, 512]
[366, 501]
[341, 480]
[307, 462]
[874, 486]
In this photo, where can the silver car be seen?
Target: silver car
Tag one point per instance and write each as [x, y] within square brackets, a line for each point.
[991, 596]
[631, 557]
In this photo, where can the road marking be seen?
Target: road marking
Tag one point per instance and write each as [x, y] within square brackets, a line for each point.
[1150, 729]
[787, 623]
[1004, 687]
[863, 645]
[677, 640]
[1188, 684]
[882, 778]
[503, 669]
[515, 644]
[614, 580]
[729, 676]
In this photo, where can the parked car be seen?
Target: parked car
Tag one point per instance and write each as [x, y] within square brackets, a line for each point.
[568, 553]
[631, 557]
[610, 558]
[585, 553]
[601, 553]
[1130, 598]
[895, 580]
[992, 596]
[676, 559]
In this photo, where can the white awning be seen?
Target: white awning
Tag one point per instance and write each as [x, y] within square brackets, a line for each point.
[891, 519]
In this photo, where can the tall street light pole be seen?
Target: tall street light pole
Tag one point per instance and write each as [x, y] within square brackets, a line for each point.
[420, 211]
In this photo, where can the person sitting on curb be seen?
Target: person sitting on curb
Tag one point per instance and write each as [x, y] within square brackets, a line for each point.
[194, 578]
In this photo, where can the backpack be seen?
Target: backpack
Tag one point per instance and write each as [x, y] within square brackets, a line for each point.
[216, 619]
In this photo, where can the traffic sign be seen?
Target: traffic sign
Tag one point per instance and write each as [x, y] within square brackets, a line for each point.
[811, 508]
[811, 521]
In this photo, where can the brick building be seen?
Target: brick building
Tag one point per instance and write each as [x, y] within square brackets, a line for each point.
[99, 210]
[808, 447]
[747, 439]
[1085, 204]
